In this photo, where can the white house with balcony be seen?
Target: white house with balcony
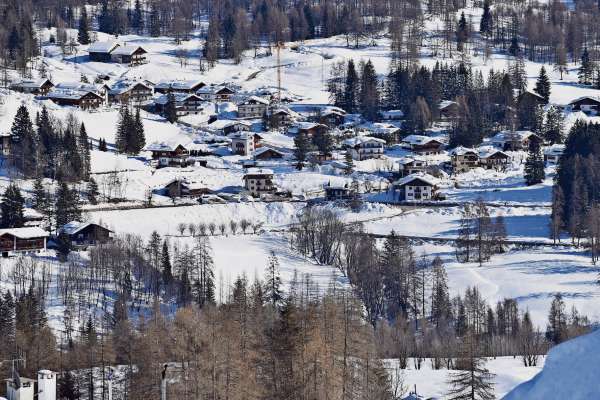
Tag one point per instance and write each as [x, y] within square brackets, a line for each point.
[416, 187]
[259, 181]
[364, 147]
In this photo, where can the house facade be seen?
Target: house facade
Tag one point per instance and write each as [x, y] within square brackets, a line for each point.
[83, 234]
[463, 159]
[552, 154]
[185, 104]
[587, 104]
[424, 145]
[83, 99]
[364, 147]
[337, 192]
[416, 187]
[253, 107]
[6, 144]
[128, 92]
[169, 156]
[22, 240]
[259, 181]
[38, 87]
[267, 153]
[190, 86]
[493, 159]
[515, 140]
[183, 188]
[244, 143]
[411, 165]
[132, 55]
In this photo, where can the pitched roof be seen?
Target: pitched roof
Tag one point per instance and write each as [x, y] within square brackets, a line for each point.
[421, 140]
[359, 140]
[595, 99]
[178, 85]
[30, 83]
[127, 50]
[25, 233]
[254, 99]
[461, 151]
[74, 227]
[102, 47]
[126, 85]
[67, 94]
[162, 146]
[258, 171]
[262, 150]
[555, 150]
[179, 98]
[426, 178]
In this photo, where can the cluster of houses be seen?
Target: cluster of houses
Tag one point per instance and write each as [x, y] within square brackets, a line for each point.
[32, 239]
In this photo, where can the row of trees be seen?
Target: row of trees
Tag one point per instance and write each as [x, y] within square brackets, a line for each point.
[55, 149]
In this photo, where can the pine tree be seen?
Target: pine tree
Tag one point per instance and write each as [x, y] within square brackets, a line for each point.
[586, 68]
[301, 149]
[27, 144]
[514, 49]
[92, 191]
[323, 142]
[369, 92]
[102, 145]
[138, 138]
[123, 130]
[7, 322]
[137, 20]
[534, 165]
[273, 292]
[165, 265]
[11, 208]
[542, 86]
[83, 35]
[67, 207]
[349, 163]
[473, 381]
[462, 32]
[441, 308]
[554, 126]
[84, 153]
[485, 25]
[154, 24]
[67, 387]
[171, 108]
[556, 331]
[351, 88]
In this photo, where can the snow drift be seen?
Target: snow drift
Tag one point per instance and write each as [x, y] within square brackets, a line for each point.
[570, 372]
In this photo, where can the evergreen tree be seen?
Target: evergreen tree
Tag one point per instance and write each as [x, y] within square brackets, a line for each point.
[351, 88]
[67, 387]
[102, 145]
[123, 130]
[138, 138]
[26, 148]
[323, 142]
[12, 208]
[554, 126]
[204, 285]
[154, 24]
[486, 23]
[556, 331]
[369, 92]
[84, 153]
[473, 381]
[83, 34]
[542, 85]
[170, 108]
[67, 207]
[586, 68]
[137, 20]
[514, 49]
[273, 292]
[349, 162]
[165, 265]
[534, 165]
[301, 149]
[7, 323]
[462, 32]
[92, 191]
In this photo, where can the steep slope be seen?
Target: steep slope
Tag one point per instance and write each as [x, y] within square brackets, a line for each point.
[570, 372]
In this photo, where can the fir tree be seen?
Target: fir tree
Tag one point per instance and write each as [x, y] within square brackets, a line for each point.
[11, 208]
[83, 35]
[369, 92]
[351, 88]
[534, 165]
[462, 32]
[67, 207]
[301, 149]
[92, 191]
[514, 49]
[154, 25]
[123, 130]
[554, 126]
[165, 265]
[485, 25]
[586, 68]
[542, 86]
[137, 20]
[67, 387]
[273, 292]
[138, 138]
[84, 153]
[27, 144]
[473, 381]
[170, 108]
[556, 331]
[323, 142]
[102, 145]
[349, 162]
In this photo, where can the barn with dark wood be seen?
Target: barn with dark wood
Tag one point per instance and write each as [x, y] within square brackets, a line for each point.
[82, 234]
[22, 240]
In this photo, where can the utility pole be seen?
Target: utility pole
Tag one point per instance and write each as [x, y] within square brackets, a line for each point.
[279, 46]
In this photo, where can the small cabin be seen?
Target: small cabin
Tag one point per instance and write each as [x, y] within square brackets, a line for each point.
[587, 104]
[185, 104]
[309, 129]
[411, 165]
[515, 140]
[22, 240]
[101, 51]
[336, 192]
[183, 188]
[424, 145]
[552, 154]
[132, 55]
[83, 99]
[491, 158]
[267, 153]
[332, 117]
[168, 155]
[189, 86]
[464, 159]
[83, 234]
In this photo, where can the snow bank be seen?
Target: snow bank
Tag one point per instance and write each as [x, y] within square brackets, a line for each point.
[570, 372]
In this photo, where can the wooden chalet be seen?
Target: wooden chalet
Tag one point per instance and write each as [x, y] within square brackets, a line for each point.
[309, 129]
[167, 155]
[267, 153]
[217, 94]
[101, 51]
[189, 86]
[185, 103]
[253, 107]
[587, 104]
[83, 234]
[280, 117]
[463, 159]
[38, 87]
[364, 147]
[411, 165]
[424, 145]
[22, 240]
[337, 192]
[515, 140]
[183, 188]
[132, 55]
[448, 110]
[129, 92]
[491, 158]
[552, 154]
[530, 97]
[83, 99]
[332, 117]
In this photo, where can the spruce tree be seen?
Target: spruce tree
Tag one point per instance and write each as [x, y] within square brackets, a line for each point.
[137, 21]
[534, 165]
[542, 86]
[102, 145]
[351, 88]
[556, 331]
[473, 381]
[273, 292]
[26, 148]
[138, 138]
[171, 108]
[369, 92]
[349, 162]
[165, 265]
[67, 205]
[586, 68]
[12, 208]
[67, 387]
[123, 130]
[83, 34]
[554, 126]
[92, 191]
[462, 32]
[84, 153]
[485, 25]
[301, 149]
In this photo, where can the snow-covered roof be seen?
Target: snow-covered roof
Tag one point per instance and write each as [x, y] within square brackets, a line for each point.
[360, 140]
[213, 89]
[421, 140]
[445, 104]
[243, 135]
[555, 150]
[380, 128]
[25, 233]
[261, 150]
[127, 50]
[258, 171]
[595, 99]
[70, 94]
[79, 86]
[102, 47]
[226, 123]
[162, 146]
[178, 85]
[505, 136]
[255, 99]
[178, 97]
[428, 179]
[408, 160]
[461, 151]
[488, 151]
[30, 83]
[74, 227]
[125, 85]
